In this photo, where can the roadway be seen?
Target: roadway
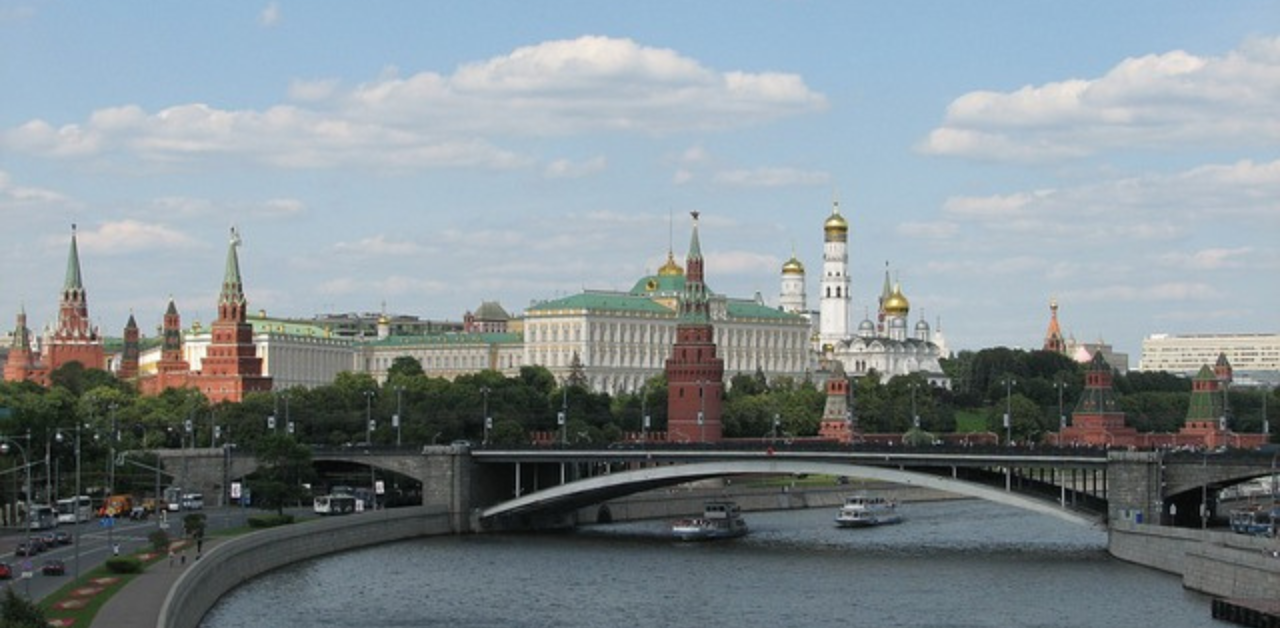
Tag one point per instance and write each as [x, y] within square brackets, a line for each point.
[95, 542]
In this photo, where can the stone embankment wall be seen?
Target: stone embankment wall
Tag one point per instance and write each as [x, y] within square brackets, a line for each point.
[1217, 563]
[237, 560]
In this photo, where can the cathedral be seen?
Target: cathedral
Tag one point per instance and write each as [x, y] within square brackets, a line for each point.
[885, 345]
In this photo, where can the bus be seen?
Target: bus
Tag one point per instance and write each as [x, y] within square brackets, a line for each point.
[335, 504]
[192, 501]
[75, 509]
[43, 517]
[173, 499]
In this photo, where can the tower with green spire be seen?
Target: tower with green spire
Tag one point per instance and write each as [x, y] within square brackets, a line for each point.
[695, 375]
[231, 366]
[74, 338]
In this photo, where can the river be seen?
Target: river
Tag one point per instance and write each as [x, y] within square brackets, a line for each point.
[956, 564]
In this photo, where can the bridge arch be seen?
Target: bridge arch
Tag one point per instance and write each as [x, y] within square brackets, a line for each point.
[585, 492]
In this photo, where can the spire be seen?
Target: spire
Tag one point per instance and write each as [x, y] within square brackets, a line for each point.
[695, 248]
[73, 281]
[693, 307]
[231, 301]
[1053, 340]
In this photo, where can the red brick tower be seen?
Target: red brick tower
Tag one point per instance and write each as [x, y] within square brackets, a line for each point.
[1053, 340]
[837, 418]
[1097, 419]
[231, 366]
[129, 356]
[695, 376]
[74, 339]
[23, 363]
[171, 370]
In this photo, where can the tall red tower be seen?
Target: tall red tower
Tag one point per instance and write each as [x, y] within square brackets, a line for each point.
[129, 356]
[695, 376]
[171, 370]
[837, 416]
[231, 366]
[74, 339]
[1053, 340]
[24, 363]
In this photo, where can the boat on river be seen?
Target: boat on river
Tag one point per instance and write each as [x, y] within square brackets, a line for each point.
[719, 520]
[864, 511]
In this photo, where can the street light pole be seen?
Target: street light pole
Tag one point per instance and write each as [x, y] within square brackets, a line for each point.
[368, 417]
[915, 417]
[1062, 416]
[563, 417]
[702, 411]
[26, 465]
[395, 420]
[484, 411]
[1008, 410]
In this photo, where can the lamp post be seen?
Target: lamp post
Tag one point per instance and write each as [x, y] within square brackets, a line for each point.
[1008, 410]
[562, 419]
[26, 465]
[644, 413]
[1061, 385]
[484, 412]
[368, 417]
[395, 419]
[702, 411]
[1266, 426]
[915, 417]
[76, 499]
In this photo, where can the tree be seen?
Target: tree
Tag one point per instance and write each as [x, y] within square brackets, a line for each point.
[404, 367]
[285, 467]
[19, 612]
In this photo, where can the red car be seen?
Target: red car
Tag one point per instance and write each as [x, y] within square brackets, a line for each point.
[53, 567]
[5, 571]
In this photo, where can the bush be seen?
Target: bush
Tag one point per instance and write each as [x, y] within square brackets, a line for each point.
[159, 540]
[124, 564]
[270, 521]
[19, 612]
[194, 525]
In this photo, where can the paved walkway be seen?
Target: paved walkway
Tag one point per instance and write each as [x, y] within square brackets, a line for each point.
[138, 603]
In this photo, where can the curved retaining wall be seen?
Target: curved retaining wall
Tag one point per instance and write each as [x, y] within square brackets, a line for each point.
[235, 561]
[1217, 563]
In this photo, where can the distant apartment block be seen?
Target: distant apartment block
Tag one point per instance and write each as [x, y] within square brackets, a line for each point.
[1257, 356]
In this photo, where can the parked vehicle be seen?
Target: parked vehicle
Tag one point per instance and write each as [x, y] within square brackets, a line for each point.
[53, 567]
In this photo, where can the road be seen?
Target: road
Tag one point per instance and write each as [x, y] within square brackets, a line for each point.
[95, 540]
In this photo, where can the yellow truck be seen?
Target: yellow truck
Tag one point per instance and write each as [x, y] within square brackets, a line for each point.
[116, 506]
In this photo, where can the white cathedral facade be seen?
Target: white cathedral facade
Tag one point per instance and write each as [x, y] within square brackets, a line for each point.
[885, 345]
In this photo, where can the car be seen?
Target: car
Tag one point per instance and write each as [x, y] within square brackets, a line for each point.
[37, 544]
[6, 572]
[50, 539]
[25, 548]
[62, 537]
[53, 567]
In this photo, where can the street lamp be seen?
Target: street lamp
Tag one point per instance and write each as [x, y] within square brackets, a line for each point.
[368, 417]
[26, 465]
[562, 418]
[484, 412]
[395, 419]
[915, 417]
[644, 413]
[702, 411]
[75, 509]
[1008, 410]
[1061, 385]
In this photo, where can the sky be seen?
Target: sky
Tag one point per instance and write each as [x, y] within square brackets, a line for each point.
[420, 158]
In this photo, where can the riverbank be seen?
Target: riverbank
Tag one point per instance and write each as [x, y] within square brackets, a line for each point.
[1222, 564]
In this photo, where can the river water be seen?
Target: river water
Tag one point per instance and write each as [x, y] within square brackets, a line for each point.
[958, 564]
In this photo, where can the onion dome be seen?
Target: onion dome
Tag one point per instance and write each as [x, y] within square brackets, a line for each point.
[921, 325]
[897, 304]
[866, 328]
[793, 267]
[671, 268]
[836, 227]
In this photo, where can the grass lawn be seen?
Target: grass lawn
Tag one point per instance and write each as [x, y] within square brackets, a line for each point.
[78, 601]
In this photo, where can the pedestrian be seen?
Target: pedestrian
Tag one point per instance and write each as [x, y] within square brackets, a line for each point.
[183, 560]
[171, 558]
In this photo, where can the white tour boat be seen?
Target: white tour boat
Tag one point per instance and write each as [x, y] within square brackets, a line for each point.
[862, 511]
[719, 520]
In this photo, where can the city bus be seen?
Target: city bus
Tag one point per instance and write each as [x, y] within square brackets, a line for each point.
[75, 509]
[335, 504]
[192, 501]
[43, 517]
[173, 499]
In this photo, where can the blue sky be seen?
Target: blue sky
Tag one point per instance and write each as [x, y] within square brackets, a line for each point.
[1123, 158]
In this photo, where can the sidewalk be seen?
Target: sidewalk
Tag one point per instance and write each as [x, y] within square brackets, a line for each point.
[138, 603]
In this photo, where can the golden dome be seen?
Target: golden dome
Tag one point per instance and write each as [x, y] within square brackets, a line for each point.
[897, 303]
[793, 267]
[671, 268]
[836, 222]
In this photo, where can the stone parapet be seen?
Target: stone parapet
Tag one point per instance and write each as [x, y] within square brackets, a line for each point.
[240, 559]
[1218, 563]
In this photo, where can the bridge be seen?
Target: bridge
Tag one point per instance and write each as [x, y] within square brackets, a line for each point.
[495, 488]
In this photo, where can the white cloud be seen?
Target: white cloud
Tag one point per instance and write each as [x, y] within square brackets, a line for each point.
[1166, 291]
[1155, 102]
[15, 196]
[935, 230]
[270, 15]
[771, 177]
[566, 169]
[1209, 259]
[555, 88]
[129, 236]
[378, 246]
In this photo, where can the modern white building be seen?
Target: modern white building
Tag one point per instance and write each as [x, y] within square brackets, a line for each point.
[1255, 356]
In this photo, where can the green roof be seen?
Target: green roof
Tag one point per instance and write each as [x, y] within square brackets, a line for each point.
[288, 328]
[751, 309]
[448, 338]
[603, 301]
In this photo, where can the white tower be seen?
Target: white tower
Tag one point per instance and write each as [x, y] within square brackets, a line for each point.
[792, 298]
[835, 279]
